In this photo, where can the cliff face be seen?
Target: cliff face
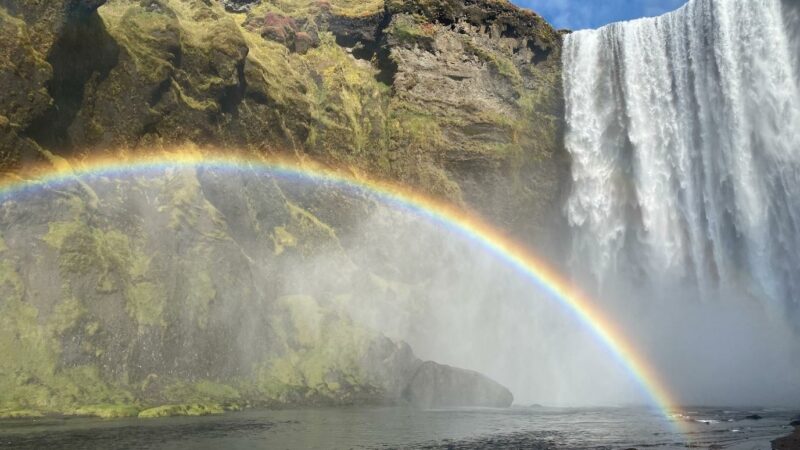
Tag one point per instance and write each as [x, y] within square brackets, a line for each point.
[460, 98]
[119, 309]
[193, 291]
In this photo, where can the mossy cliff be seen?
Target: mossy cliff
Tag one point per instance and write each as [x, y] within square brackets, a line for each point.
[170, 295]
[193, 291]
[461, 98]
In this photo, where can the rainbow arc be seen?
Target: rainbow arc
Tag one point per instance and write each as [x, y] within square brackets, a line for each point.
[450, 217]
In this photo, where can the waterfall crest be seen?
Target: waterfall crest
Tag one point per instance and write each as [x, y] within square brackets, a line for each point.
[685, 136]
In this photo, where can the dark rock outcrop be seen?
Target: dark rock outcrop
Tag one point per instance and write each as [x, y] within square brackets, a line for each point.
[440, 386]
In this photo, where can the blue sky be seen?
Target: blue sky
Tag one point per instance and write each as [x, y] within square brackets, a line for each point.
[578, 14]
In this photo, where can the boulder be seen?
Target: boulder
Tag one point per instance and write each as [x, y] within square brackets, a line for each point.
[441, 386]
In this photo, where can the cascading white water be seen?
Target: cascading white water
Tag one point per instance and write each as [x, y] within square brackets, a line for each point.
[685, 136]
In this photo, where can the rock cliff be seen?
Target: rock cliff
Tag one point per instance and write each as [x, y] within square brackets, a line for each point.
[193, 291]
[461, 98]
[111, 309]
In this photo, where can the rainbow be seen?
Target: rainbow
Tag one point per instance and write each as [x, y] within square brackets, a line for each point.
[455, 219]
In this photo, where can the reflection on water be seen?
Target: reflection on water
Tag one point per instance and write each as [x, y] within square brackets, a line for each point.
[405, 428]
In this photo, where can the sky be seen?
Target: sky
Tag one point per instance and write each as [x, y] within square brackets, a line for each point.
[579, 14]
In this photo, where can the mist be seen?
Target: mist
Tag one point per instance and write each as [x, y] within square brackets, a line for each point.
[458, 305]
[713, 311]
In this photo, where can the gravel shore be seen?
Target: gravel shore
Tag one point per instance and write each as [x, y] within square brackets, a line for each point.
[791, 442]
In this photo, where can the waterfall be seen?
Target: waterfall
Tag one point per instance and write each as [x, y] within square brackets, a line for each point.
[684, 132]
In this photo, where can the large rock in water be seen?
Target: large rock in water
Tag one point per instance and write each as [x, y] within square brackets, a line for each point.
[439, 386]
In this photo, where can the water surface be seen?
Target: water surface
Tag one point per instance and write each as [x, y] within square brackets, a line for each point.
[392, 427]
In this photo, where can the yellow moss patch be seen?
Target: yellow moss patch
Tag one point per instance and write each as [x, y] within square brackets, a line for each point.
[311, 8]
[21, 414]
[107, 411]
[325, 350]
[282, 239]
[146, 301]
[181, 410]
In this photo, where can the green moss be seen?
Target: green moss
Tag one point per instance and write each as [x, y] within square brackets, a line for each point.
[349, 104]
[500, 62]
[59, 231]
[9, 280]
[322, 360]
[146, 301]
[217, 391]
[313, 8]
[410, 126]
[21, 414]
[118, 264]
[305, 232]
[144, 35]
[412, 30]
[306, 319]
[202, 392]
[201, 294]
[181, 410]
[178, 65]
[84, 249]
[107, 411]
[283, 239]
[30, 376]
[66, 316]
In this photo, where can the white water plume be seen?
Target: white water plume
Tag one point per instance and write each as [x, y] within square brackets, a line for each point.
[685, 207]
